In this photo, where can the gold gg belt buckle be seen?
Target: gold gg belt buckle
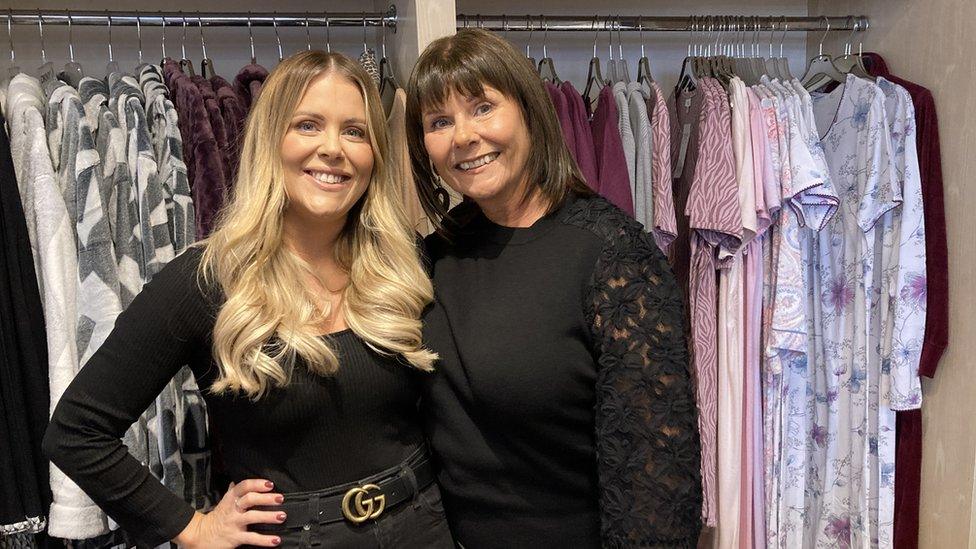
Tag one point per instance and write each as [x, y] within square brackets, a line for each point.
[357, 510]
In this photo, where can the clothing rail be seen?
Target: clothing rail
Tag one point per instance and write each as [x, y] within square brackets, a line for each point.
[221, 19]
[743, 24]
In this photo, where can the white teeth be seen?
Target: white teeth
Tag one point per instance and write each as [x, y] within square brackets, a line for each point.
[478, 162]
[323, 177]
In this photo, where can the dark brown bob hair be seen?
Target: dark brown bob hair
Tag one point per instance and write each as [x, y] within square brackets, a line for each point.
[465, 63]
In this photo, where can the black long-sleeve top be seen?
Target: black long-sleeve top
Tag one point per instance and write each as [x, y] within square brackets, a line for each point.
[562, 409]
[315, 433]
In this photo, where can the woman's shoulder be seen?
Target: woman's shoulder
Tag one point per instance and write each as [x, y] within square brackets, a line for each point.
[182, 278]
[611, 225]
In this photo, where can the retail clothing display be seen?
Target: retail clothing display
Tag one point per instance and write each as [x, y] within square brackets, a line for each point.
[585, 316]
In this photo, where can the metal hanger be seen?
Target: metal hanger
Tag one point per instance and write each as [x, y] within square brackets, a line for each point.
[782, 62]
[849, 63]
[308, 36]
[72, 72]
[206, 66]
[250, 38]
[687, 77]
[547, 70]
[45, 73]
[771, 67]
[623, 73]
[528, 42]
[113, 65]
[758, 63]
[593, 73]
[365, 48]
[13, 70]
[387, 78]
[185, 64]
[643, 65]
[162, 42]
[328, 35]
[611, 62]
[821, 69]
[139, 34]
[274, 23]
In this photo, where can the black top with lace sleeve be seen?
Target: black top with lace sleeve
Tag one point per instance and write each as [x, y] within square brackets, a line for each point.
[562, 410]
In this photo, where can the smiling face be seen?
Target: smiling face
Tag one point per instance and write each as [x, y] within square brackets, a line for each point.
[479, 147]
[326, 153]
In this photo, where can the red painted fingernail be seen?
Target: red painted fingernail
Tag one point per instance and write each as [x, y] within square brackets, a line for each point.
[269, 484]
[279, 499]
[276, 541]
[282, 517]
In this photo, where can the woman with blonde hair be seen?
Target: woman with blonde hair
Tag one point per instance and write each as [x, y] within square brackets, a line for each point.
[563, 373]
[299, 317]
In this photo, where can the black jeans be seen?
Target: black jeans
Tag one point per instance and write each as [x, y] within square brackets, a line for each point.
[419, 523]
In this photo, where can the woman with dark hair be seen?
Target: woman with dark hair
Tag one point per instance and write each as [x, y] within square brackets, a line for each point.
[561, 409]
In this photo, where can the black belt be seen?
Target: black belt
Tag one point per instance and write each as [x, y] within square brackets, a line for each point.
[360, 501]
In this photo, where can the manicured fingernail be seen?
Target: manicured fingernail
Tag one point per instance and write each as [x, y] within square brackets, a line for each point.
[269, 484]
[282, 517]
[279, 499]
[276, 541]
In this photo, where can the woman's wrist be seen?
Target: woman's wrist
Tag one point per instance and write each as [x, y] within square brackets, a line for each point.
[190, 534]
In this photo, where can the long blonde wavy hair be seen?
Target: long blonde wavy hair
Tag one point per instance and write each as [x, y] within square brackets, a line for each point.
[269, 317]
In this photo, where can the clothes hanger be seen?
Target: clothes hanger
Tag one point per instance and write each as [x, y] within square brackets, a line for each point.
[687, 77]
[623, 73]
[528, 43]
[112, 66]
[13, 70]
[72, 73]
[758, 63]
[185, 64]
[250, 38]
[771, 67]
[139, 36]
[821, 69]
[547, 70]
[328, 36]
[611, 62]
[206, 66]
[850, 63]
[45, 72]
[308, 36]
[162, 42]
[782, 62]
[643, 65]
[274, 23]
[593, 73]
[387, 78]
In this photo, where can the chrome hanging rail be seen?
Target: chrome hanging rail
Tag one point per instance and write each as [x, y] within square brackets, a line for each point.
[580, 23]
[212, 19]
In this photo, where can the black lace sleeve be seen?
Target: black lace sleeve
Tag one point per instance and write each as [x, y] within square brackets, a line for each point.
[646, 427]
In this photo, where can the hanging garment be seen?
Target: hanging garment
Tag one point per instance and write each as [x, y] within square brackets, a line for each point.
[25, 493]
[168, 147]
[221, 135]
[665, 228]
[200, 151]
[640, 126]
[844, 506]
[627, 142]
[707, 194]
[128, 102]
[248, 83]
[367, 60]
[585, 152]
[55, 260]
[234, 114]
[401, 157]
[562, 114]
[610, 157]
[908, 462]
[182, 414]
